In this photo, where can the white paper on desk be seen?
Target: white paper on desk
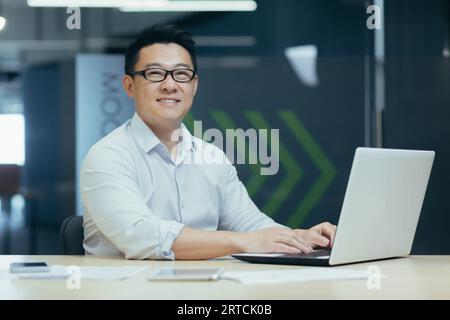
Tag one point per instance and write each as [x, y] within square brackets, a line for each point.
[86, 273]
[302, 275]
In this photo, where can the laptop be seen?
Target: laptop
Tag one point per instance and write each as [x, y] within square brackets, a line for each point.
[380, 212]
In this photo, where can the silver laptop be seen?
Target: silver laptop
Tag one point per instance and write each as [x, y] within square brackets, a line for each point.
[379, 214]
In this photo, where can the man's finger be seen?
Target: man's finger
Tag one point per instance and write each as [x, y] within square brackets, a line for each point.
[317, 239]
[284, 248]
[296, 242]
[328, 230]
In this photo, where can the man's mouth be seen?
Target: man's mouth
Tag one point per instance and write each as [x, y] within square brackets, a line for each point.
[168, 101]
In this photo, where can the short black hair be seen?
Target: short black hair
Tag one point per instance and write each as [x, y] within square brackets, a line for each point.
[160, 33]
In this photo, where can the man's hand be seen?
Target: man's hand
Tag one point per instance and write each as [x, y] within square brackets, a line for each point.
[201, 244]
[321, 235]
[275, 239]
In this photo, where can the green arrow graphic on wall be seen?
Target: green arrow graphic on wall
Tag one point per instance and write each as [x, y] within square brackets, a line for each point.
[292, 170]
[293, 173]
[328, 172]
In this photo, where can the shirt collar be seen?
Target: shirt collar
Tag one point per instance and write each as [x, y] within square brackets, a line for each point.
[148, 140]
[187, 142]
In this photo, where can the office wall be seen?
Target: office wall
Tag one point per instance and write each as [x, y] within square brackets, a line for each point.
[49, 141]
[418, 104]
[319, 129]
[417, 82]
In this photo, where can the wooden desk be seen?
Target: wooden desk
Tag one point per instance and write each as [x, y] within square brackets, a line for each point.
[415, 277]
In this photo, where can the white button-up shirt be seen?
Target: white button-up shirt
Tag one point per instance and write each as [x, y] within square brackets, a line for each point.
[137, 199]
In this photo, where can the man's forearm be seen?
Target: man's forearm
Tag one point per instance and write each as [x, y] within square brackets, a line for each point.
[194, 244]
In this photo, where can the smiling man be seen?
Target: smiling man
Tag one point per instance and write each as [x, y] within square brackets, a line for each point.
[143, 199]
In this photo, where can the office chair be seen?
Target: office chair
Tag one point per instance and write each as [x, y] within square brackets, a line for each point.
[72, 235]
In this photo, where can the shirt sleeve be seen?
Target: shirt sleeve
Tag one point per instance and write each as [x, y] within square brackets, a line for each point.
[117, 207]
[239, 213]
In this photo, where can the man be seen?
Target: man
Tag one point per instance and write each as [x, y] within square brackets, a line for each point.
[144, 200]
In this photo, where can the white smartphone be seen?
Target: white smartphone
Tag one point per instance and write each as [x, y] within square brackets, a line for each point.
[186, 274]
[27, 267]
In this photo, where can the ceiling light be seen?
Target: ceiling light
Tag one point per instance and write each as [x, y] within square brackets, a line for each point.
[94, 3]
[151, 5]
[195, 6]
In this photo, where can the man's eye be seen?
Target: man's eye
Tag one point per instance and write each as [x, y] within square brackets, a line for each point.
[154, 73]
[183, 74]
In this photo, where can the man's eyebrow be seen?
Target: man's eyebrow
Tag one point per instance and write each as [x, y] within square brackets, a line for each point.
[149, 65]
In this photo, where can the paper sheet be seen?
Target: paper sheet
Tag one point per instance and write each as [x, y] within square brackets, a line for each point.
[302, 275]
[85, 272]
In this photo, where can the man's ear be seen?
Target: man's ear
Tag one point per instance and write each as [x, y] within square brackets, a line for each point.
[128, 85]
[195, 85]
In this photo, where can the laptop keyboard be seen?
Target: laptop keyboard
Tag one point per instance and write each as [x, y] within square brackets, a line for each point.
[314, 254]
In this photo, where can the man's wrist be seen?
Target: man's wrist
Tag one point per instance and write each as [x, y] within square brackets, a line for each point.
[237, 241]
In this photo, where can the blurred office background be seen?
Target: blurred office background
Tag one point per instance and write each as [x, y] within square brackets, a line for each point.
[311, 68]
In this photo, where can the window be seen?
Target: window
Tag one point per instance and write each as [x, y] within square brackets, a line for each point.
[12, 139]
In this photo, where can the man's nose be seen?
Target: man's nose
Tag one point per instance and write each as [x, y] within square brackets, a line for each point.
[169, 84]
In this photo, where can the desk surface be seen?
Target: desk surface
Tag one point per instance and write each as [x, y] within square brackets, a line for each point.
[414, 277]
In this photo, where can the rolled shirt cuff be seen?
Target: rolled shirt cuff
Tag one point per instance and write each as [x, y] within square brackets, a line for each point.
[168, 232]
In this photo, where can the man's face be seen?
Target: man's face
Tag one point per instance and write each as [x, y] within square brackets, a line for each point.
[162, 104]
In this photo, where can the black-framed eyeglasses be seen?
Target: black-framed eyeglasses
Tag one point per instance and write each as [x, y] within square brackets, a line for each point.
[159, 75]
